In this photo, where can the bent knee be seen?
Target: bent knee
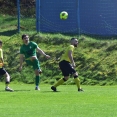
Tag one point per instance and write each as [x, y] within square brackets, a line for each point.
[33, 58]
[75, 75]
[7, 75]
[65, 78]
[37, 72]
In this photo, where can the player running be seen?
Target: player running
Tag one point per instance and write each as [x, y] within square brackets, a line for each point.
[67, 66]
[3, 71]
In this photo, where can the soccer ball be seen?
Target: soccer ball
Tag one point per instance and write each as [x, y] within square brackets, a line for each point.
[63, 15]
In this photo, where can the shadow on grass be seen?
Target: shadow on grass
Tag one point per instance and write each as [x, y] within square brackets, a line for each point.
[9, 32]
[14, 90]
[50, 91]
[21, 90]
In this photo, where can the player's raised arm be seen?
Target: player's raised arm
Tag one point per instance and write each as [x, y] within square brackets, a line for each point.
[42, 52]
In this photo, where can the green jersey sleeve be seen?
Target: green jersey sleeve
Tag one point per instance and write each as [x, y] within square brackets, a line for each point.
[21, 51]
[34, 44]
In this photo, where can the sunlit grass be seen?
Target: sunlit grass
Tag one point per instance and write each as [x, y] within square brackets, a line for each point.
[95, 101]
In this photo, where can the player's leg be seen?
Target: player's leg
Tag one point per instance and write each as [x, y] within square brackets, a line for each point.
[37, 79]
[38, 71]
[60, 82]
[64, 69]
[7, 81]
[71, 70]
[77, 81]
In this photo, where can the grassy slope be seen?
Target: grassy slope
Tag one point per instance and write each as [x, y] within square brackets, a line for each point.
[95, 57]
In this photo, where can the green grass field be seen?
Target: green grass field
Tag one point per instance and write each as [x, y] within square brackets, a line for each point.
[95, 101]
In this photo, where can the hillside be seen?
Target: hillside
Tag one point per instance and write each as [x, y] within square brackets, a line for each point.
[96, 57]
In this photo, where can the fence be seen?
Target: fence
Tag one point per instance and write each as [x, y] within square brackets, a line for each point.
[85, 16]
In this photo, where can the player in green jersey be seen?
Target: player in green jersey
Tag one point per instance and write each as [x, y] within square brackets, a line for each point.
[3, 71]
[67, 66]
[28, 50]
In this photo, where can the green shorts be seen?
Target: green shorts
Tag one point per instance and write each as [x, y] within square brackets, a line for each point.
[35, 63]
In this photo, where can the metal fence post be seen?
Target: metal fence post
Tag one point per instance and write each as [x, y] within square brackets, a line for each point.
[18, 15]
[38, 15]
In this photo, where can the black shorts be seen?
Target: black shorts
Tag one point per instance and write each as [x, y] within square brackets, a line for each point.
[2, 71]
[66, 68]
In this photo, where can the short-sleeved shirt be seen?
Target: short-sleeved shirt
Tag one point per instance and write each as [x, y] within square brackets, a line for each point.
[29, 50]
[1, 57]
[1, 53]
[65, 55]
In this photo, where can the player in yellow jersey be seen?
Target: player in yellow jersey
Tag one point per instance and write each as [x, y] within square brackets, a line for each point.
[67, 66]
[3, 71]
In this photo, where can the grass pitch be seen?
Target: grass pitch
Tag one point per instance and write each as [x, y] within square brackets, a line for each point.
[95, 101]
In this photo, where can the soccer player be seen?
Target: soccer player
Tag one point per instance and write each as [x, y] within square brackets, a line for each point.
[28, 50]
[3, 71]
[67, 66]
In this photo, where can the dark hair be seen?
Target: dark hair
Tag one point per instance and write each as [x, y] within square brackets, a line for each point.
[72, 39]
[0, 42]
[24, 35]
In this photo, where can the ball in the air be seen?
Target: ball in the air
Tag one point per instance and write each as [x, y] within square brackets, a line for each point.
[63, 15]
